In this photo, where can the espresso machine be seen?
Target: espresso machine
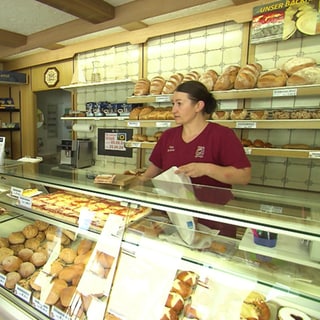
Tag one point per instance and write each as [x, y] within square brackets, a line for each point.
[76, 153]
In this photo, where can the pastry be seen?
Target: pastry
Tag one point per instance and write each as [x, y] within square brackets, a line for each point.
[259, 115]
[16, 248]
[169, 314]
[41, 225]
[70, 234]
[182, 288]
[220, 115]
[188, 277]
[281, 114]
[4, 242]
[83, 258]
[255, 307]
[287, 313]
[175, 302]
[300, 114]
[226, 80]
[84, 246]
[257, 143]
[39, 259]
[32, 244]
[238, 114]
[55, 267]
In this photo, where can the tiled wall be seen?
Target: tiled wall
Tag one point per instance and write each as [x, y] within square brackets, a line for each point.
[214, 47]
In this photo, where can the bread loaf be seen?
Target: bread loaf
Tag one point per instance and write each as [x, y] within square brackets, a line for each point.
[142, 87]
[309, 75]
[247, 76]
[297, 63]
[134, 113]
[172, 83]
[226, 80]
[272, 78]
[191, 76]
[238, 114]
[220, 115]
[259, 115]
[209, 78]
[156, 85]
[144, 112]
[30, 231]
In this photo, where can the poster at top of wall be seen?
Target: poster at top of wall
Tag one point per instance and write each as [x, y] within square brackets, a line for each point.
[282, 19]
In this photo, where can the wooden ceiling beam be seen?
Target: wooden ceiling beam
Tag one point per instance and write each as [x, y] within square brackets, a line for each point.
[94, 11]
[12, 39]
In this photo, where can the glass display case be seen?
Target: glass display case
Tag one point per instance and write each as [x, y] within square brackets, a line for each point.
[74, 246]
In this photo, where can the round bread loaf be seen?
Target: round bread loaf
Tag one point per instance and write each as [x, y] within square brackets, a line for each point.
[41, 225]
[272, 78]
[16, 248]
[32, 244]
[30, 231]
[227, 79]
[4, 242]
[25, 254]
[16, 237]
[26, 269]
[38, 259]
[11, 263]
[297, 63]
[68, 255]
[12, 278]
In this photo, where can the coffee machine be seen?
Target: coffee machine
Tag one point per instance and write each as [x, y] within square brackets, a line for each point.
[76, 153]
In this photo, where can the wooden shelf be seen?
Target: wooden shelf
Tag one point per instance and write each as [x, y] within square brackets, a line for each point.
[287, 153]
[121, 118]
[93, 84]
[277, 92]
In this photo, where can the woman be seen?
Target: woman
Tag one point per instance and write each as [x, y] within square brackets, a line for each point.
[208, 153]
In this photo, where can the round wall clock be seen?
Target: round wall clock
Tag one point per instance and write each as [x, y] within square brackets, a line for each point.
[51, 77]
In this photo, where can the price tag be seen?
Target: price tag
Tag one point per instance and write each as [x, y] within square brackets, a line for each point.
[246, 124]
[163, 124]
[284, 92]
[16, 192]
[247, 150]
[135, 144]
[25, 202]
[135, 124]
[3, 279]
[163, 98]
[42, 307]
[22, 293]
[58, 314]
[314, 154]
[272, 209]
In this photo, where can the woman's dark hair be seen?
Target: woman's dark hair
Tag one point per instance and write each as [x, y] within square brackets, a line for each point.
[197, 91]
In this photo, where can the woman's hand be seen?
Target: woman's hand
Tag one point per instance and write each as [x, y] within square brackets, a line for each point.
[193, 169]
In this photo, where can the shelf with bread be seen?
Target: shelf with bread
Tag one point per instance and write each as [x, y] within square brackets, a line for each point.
[95, 84]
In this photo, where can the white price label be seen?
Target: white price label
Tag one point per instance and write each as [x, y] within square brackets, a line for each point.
[25, 202]
[268, 208]
[163, 124]
[16, 192]
[247, 150]
[22, 293]
[44, 308]
[246, 125]
[3, 279]
[135, 144]
[314, 154]
[135, 124]
[284, 92]
[163, 98]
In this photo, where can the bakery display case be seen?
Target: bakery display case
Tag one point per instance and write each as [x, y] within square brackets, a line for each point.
[73, 248]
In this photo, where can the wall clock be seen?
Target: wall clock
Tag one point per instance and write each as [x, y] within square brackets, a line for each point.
[51, 77]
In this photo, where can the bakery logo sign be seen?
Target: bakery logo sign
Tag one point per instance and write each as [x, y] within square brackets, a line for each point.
[282, 19]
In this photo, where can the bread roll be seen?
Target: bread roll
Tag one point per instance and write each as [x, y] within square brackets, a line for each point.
[30, 231]
[227, 79]
[83, 258]
[33, 281]
[84, 246]
[40, 236]
[188, 277]
[68, 255]
[246, 143]
[70, 234]
[297, 63]
[67, 294]
[4, 242]
[247, 76]
[272, 78]
[259, 115]
[309, 75]
[301, 114]
[281, 114]
[175, 301]
[25, 254]
[39, 259]
[57, 286]
[32, 244]
[11, 263]
[55, 267]
[182, 288]
[26, 269]
[169, 314]
[41, 225]
[16, 248]
[258, 143]
[16, 237]
[12, 278]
